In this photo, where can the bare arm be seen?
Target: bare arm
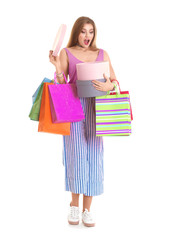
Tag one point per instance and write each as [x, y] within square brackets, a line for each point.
[112, 73]
[63, 65]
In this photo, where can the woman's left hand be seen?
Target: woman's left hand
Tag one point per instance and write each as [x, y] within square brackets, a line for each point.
[103, 86]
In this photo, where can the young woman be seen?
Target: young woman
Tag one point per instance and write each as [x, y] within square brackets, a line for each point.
[82, 149]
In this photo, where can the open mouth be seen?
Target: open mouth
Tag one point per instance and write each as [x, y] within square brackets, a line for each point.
[86, 41]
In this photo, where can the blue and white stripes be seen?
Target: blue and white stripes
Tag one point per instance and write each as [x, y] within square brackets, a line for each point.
[83, 154]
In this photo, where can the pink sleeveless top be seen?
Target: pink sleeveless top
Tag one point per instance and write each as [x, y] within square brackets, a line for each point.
[73, 61]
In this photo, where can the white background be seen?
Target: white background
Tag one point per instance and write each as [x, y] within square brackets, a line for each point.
[135, 203]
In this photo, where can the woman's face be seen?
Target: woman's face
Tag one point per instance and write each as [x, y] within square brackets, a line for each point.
[86, 35]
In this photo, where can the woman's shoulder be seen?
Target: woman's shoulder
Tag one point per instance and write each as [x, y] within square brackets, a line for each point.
[104, 51]
[63, 51]
[106, 55]
[63, 54]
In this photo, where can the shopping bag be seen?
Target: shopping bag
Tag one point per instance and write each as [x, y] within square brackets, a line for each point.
[36, 98]
[36, 92]
[113, 114]
[64, 103]
[45, 120]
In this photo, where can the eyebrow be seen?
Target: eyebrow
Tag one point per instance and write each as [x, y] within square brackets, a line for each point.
[89, 30]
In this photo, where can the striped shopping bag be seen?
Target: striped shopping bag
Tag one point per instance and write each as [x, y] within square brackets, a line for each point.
[113, 114]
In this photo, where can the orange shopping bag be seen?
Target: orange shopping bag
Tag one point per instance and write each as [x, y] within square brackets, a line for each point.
[45, 120]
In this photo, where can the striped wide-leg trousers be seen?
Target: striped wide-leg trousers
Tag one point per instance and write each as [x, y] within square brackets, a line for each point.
[83, 154]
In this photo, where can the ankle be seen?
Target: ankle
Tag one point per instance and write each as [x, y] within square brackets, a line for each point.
[74, 204]
[86, 208]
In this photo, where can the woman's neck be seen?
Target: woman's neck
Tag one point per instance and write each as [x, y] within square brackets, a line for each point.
[78, 46]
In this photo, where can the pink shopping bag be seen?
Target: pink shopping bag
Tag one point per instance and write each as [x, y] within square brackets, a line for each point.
[64, 103]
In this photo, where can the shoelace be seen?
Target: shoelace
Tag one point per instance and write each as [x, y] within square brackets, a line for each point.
[74, 212]
[88, 215]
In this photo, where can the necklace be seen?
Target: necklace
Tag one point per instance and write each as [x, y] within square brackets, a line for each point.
[83, 48]
[79, 45]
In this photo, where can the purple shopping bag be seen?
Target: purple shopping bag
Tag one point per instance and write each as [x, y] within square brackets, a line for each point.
[64, 103]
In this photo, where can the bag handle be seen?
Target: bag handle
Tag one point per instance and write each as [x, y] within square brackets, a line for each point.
[55, 78]
[117, 89]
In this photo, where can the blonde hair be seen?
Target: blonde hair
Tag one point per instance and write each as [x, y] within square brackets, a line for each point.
[76, 29]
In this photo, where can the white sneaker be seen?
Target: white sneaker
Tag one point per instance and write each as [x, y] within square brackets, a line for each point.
[73, 217]
[87, 219]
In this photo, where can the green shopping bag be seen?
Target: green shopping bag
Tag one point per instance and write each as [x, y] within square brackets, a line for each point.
[35, 110]
[113, 114]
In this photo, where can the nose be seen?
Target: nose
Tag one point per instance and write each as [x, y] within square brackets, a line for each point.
[87, 35]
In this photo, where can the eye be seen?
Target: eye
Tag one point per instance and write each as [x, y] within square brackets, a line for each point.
[91, 32]
[82, 31]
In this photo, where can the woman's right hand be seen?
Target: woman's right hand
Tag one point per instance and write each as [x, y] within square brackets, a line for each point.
[54, 60]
